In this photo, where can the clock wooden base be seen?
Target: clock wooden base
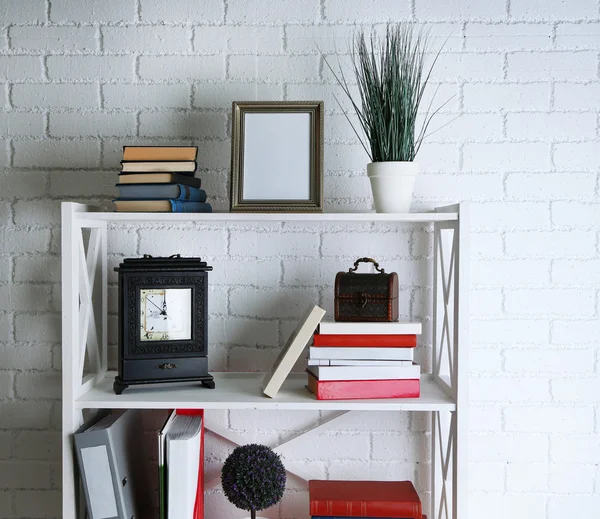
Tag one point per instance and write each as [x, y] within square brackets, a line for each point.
[120, 385]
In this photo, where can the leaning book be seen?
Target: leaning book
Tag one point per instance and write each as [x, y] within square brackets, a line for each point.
[292, 351]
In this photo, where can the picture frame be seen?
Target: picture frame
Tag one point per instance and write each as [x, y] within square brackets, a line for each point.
[277, 156]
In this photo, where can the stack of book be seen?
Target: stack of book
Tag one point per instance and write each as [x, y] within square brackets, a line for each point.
[364, 360]
[160, 179]
[365, 499]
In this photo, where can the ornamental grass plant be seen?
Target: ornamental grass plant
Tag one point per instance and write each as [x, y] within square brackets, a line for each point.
[392, 76]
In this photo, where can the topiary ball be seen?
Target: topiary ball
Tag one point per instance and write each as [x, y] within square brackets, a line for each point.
[253, 477]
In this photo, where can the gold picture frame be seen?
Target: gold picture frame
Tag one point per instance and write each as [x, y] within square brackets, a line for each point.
[277, 156]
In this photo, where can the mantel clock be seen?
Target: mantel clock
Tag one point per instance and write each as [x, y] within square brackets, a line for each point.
[163, 321]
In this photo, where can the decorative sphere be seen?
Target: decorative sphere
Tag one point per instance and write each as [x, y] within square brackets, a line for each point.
[253, 477]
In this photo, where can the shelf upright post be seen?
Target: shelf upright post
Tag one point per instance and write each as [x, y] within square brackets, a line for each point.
[84, 329]
[461, 360]
[450, 354]
[71, 417]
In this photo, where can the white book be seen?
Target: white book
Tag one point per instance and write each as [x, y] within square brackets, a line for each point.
[365, 372]
[388, 328]
[334, 352]
[342, 362]
[155, 166]
[180, 454]
[291, 351]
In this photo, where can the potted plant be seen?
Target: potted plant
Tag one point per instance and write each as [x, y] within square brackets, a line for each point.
[391, 78]
[253, 478]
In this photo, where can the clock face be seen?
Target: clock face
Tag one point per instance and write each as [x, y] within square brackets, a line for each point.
[166, 314]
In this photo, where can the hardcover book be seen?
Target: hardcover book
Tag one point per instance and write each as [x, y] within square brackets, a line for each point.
[341, 362]
[186, 167]
[335, 352]
[162, 206]
[158, 178]
[292, 351]
[160, 153]
[390, 340]
[341, 517]
[161, 192]
[323, 373]
[181, 465]
[361, 389]
[360, 328]
[377, 499]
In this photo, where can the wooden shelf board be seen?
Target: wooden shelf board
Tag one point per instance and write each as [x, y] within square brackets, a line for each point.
[266, 217]
[243, 391]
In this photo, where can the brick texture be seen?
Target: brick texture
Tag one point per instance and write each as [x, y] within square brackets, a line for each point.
[518, 136]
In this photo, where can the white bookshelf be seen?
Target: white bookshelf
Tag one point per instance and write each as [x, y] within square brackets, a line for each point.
[443, 393]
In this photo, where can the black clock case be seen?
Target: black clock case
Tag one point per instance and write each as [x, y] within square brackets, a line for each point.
[151, 362]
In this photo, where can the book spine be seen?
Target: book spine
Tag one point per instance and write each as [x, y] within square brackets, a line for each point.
[342, 517]
[191, 194]
[351, 373]
[360, 389]
[359, 353]
[374, 509]
[364, 328]
[348, 362]
[179, 206]
[365, 341]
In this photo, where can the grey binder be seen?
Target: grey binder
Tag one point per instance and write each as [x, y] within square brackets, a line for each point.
[111, 464]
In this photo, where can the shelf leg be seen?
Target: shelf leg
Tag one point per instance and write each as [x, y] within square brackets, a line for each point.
[444, 488]
[70, 492]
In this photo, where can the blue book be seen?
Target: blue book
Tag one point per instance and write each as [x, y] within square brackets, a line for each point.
[162, 206]
[161, 192]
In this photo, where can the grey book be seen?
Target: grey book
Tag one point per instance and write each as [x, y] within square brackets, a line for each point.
[111, 463]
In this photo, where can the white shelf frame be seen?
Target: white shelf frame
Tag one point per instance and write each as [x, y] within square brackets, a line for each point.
[444, 394]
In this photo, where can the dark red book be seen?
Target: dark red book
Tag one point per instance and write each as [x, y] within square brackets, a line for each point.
[378, 341]
[358, 389]
[364, 499]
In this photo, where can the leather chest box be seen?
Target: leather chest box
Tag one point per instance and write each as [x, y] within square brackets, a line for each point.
[366, 297]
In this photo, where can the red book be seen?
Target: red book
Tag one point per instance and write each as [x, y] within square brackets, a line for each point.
[364, 499]
[397, 341]
[356, 389]
[199, 505]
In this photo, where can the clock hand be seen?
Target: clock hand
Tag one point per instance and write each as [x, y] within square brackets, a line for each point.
[159, 308]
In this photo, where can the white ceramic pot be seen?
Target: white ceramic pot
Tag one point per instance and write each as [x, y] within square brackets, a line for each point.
[392, 184]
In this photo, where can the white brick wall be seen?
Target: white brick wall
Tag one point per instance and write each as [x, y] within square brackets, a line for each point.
[81, 78]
